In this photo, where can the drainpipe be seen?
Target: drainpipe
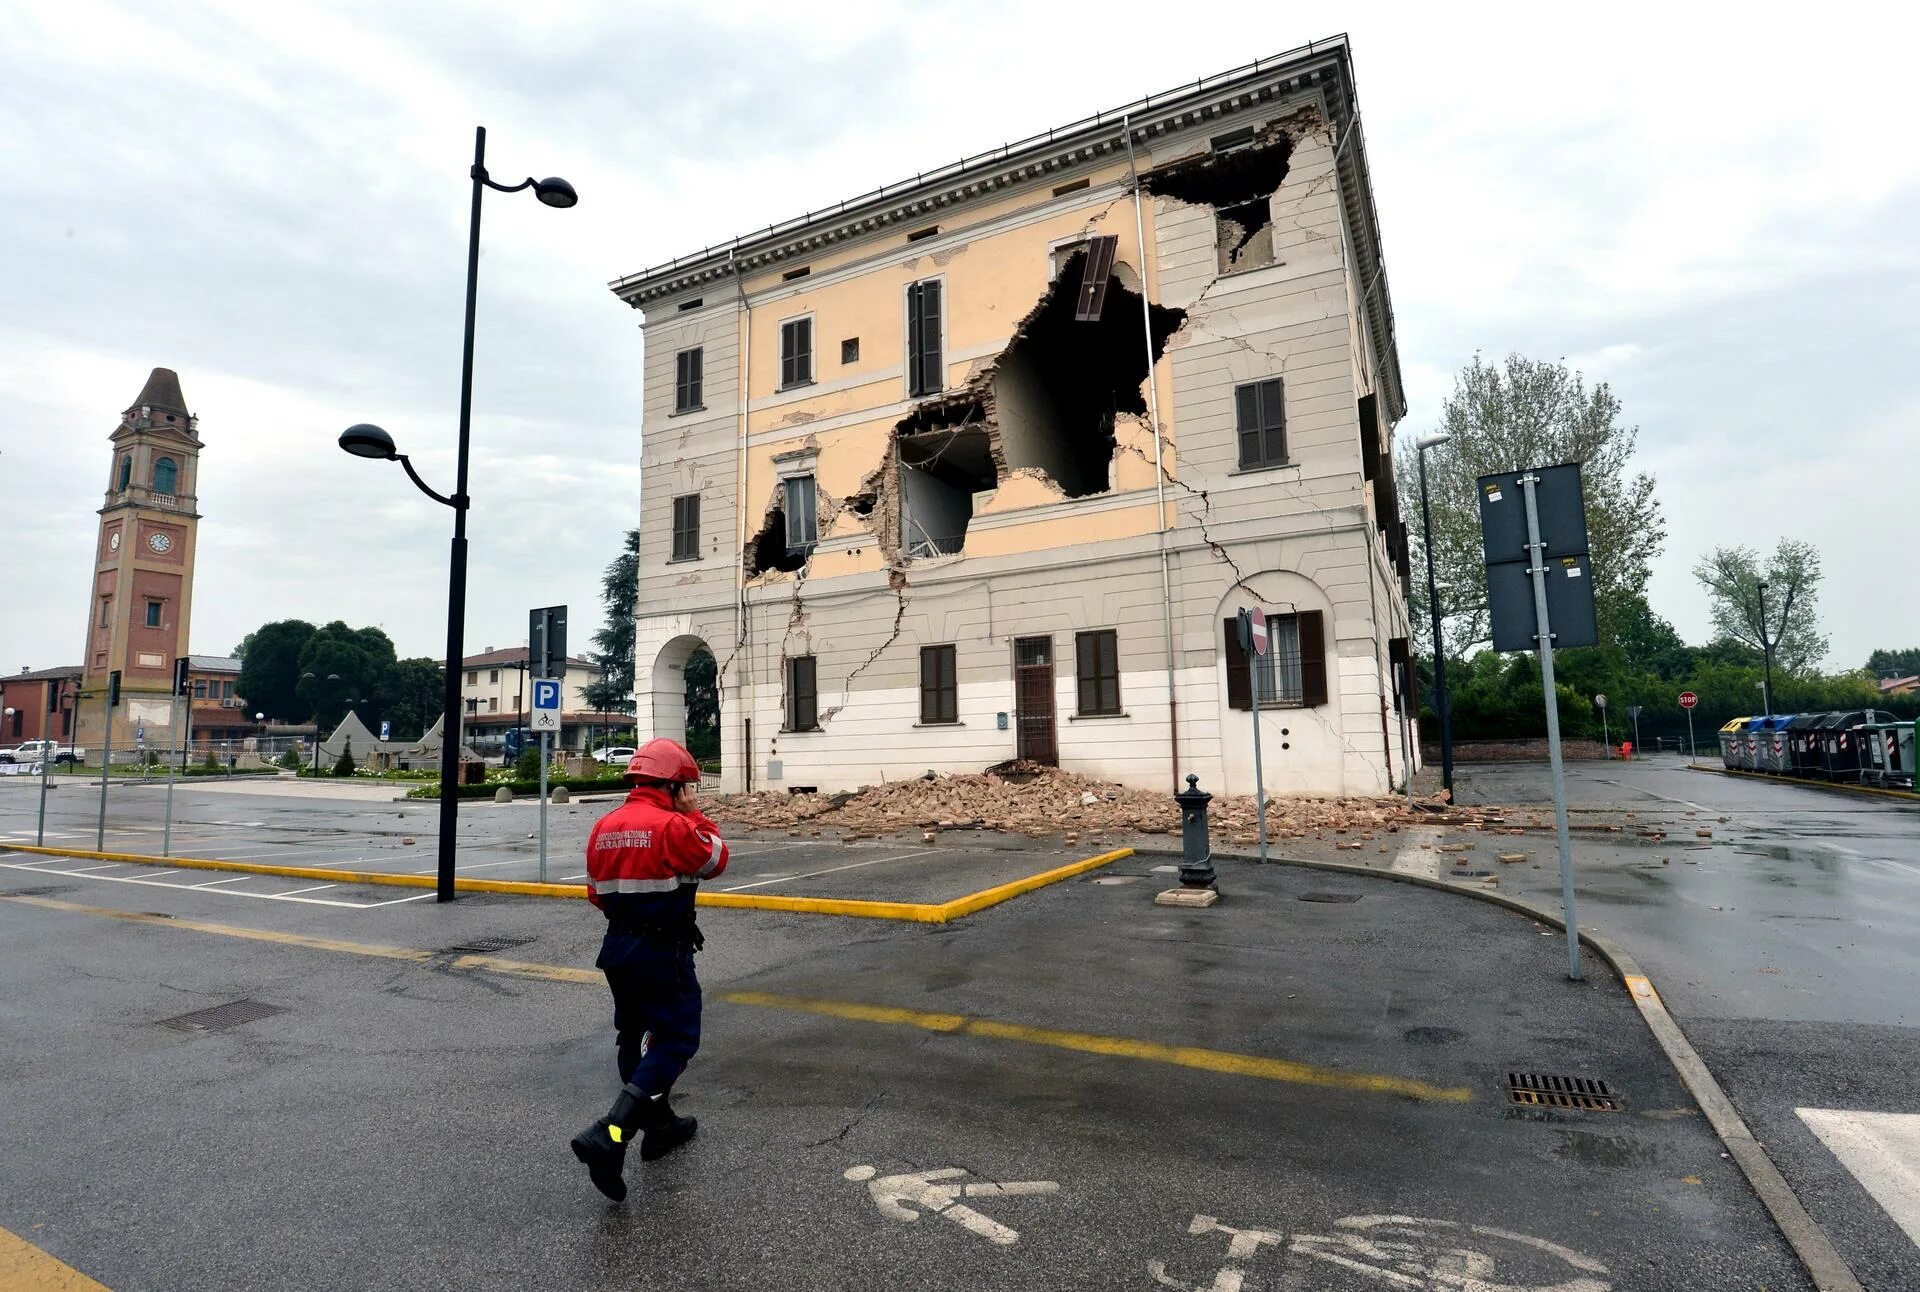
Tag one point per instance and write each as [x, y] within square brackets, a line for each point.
[744, 656]
[1159, 469]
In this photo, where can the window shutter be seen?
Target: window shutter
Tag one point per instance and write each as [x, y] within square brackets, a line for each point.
[1239, 690]
[1273, 422]
[1247, 423]
[929, 377]
[1313, 658]
[1109, 659]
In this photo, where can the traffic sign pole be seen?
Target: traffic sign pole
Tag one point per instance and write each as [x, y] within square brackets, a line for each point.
[1254, 645]
[1537, 558]
[543, 806]
[173, 734]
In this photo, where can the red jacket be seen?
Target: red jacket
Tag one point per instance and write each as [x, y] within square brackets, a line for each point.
[644, 857]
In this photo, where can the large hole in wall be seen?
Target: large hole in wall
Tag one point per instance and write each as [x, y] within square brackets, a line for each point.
[940, 471]
[1061, 383]
[768, 550]
[1238, 183]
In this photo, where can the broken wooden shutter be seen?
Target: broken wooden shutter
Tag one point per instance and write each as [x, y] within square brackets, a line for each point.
[925, 368]
[1093, 278]
[1313, 658]
[1239, 685]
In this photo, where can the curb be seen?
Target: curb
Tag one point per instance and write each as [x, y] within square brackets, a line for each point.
[911, 912]
[1904, 796]
[1809, 1242]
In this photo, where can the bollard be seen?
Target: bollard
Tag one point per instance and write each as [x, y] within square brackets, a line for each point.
[504, 794]
[1196, 842]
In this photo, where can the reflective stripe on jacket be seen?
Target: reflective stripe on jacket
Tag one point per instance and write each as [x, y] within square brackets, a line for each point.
[645, 847]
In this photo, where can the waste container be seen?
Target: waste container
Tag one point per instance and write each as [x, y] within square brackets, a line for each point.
[1803, 747]
[1749, 756]
[1890, 752]
[1770, 754]
[1844, 745]
[1732, 736]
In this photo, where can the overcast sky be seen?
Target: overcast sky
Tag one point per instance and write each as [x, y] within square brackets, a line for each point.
[1717, 217]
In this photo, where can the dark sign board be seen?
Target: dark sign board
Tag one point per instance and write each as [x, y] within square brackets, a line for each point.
[1557, 496]
[1569, 604]
[547, 642]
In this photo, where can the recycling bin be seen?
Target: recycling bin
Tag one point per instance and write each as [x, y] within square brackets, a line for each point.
[1890, 752]
[1732, 734]
[1771, 752]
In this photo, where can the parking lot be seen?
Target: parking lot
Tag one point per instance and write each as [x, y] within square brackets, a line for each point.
[1303, 1087]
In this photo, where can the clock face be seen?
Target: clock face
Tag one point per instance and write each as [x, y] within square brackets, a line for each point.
[160, 542]
[113, 541]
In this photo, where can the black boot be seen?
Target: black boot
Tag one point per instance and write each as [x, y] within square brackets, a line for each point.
[665, 1130]
[603, 1145]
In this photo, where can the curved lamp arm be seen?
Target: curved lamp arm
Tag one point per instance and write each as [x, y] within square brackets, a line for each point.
[457, 502]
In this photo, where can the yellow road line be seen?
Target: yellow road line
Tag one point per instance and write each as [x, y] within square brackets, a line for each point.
[913, 912]
[1185, 1056]
[25, 1268]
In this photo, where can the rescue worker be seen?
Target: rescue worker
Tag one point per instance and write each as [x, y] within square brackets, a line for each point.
[645, 859]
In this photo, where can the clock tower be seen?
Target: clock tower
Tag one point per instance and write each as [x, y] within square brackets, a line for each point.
[142, 601]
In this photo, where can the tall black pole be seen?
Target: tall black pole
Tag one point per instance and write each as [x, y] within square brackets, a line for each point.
[1766, 650]
[1440, 697]
[457, 560]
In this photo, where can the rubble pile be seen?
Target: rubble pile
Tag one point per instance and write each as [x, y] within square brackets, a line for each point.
[1039, 801]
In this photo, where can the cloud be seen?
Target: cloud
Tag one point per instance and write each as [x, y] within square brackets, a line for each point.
[273, 200]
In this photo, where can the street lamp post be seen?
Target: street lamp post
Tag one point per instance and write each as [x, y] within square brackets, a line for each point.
[370, 441]
[1766, 650]
[1442, 702]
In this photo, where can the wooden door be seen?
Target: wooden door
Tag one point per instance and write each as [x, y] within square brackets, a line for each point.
[1036, 737]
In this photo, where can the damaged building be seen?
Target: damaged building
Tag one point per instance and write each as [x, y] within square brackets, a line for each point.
[982, 465]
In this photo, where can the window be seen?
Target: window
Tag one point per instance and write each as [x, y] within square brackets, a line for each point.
[493, 677]
[803, 695]
[1261, 420]
[688, 368]
[106, 611]
[166, 475]
[153, 614]
[1293, 672]
[126, 471]
[200, 689]
[803, 529]
[925, 375]
[226, 690]
[796, 353]
[939, 696]
[1096, 663]
[493, 704]
[686, 527]
[473, 677]
[792, 274]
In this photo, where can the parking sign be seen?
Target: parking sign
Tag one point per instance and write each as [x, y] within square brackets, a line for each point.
[546, 704]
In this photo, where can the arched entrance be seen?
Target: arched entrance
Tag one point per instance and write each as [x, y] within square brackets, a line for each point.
[682, 698]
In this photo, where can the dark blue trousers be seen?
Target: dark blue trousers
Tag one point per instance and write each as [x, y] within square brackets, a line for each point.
[656, 1009]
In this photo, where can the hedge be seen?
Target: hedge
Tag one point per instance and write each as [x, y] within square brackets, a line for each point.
[520, 788]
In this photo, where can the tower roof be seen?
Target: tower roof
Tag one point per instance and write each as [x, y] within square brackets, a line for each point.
[162, 391]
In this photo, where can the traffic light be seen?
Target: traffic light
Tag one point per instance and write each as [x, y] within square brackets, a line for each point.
[113, 689]
[180, 676]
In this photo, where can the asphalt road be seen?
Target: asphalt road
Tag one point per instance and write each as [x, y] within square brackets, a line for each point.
[1788, 945]
[1276, 1093]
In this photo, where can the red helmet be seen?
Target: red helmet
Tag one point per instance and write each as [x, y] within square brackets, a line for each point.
[663, 760]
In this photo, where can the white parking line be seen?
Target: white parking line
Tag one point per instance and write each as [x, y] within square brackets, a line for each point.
[1883, 1152]
[924, 852]
[316, 888]
[215, 883]
[89, 869]
[225, 892]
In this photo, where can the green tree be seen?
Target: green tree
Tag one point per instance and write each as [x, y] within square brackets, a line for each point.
[409, 694]
[703, 705]
[1790, 625]
[1894, 663]
[1527, 413]
[345, 765]
[619, 592]
[270, 669]
[340, 669]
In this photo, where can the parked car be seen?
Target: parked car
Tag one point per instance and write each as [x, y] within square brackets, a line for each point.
[614, 754]
[32, 751]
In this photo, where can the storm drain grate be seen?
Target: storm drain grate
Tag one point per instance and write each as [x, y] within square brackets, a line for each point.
[221, 1017]
[1546, 1090]
[40, 890]
[485, 946]
[1329, 897]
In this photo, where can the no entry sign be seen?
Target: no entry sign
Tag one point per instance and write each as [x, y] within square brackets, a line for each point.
[1688, 699]
[1259, 619]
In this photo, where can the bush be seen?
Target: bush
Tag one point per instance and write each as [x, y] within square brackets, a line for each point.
[210, 762]
[345, 767]
[527, 766]
[291, 760]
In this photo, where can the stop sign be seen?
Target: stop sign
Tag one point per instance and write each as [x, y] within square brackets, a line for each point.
[1688, 699]
[1259, 618]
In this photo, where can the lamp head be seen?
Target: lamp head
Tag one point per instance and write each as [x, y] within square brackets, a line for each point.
[555, 192]
[368, 441]
[1431, 441]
